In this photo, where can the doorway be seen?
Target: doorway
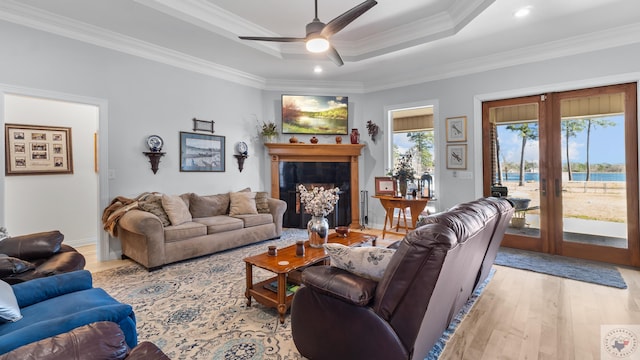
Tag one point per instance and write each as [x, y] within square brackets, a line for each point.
[88, 119]
[568, 160]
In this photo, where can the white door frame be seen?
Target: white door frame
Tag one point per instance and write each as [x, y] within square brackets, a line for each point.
[102, 248]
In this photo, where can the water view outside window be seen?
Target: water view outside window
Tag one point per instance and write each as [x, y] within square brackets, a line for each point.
[594, 208]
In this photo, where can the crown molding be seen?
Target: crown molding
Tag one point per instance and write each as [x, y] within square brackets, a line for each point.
[28, 16]
[611, 38]
[213, 18]
[341, 87]
[21, 14]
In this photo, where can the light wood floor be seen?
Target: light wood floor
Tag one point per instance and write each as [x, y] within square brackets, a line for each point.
[525, 315]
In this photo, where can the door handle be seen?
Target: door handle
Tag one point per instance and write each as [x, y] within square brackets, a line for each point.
[543, 187]
[557, 188]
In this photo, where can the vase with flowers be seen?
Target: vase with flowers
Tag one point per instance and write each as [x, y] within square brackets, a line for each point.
[269, 132]
[319, 202]
[403, 172]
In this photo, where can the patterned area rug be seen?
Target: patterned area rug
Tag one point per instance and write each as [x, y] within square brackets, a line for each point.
[196, 309]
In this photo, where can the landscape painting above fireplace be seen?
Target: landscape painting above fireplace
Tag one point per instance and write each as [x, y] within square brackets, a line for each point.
[304, 114]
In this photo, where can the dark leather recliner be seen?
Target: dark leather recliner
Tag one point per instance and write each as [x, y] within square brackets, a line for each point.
[37, 255]
[339, 315]
[99, 340]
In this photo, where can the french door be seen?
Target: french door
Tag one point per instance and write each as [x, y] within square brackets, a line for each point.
[569, 162]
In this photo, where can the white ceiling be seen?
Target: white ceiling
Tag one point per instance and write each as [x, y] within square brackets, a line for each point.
[395, 43]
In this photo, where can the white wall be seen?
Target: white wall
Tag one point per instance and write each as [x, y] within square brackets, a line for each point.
[144, 98]
[463, 96]
[150, 98]
[65, 202]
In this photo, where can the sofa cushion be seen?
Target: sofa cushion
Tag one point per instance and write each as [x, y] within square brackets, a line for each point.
[10, 265]
[220, 223]
[176, 209]
[9, 310]
[365, 261]
[262, 204]
[242, 203]
[153, 204]
[255, 220]
[184, 231]
[210, 205]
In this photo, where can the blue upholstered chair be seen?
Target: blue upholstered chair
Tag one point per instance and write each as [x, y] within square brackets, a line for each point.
[60, 303]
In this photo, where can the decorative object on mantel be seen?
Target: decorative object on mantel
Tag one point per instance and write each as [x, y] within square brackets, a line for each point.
[373, 129]
[269, 132]
[155, 143]
[313, 140]
[319, 203]
[338, 139]
[203, 125]
[243, 153]
[403, 172]
[293, 140]
[355, 136]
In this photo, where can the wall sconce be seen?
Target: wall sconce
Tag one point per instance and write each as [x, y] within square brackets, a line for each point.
[243, 153]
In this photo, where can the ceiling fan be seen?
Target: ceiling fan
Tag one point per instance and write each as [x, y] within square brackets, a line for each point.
[318, 33]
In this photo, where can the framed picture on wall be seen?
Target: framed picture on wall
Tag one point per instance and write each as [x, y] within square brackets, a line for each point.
[385, 186]
[457, 156]
[201, 152]
[37, 150]
[457, 129]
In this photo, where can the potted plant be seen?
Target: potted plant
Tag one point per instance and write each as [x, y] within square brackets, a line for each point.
[269, 132]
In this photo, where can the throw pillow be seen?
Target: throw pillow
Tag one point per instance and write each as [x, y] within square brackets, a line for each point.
[176, 209]
[242, 203]
[9, 310]
[3, 233]
[364, 261]
[153, 204]
[262, 204]
[10, 265]
[210, 205]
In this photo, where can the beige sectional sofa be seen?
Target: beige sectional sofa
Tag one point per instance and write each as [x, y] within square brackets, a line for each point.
[164, 229]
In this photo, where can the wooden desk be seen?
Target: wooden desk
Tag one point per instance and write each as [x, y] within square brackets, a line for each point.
[390, 203]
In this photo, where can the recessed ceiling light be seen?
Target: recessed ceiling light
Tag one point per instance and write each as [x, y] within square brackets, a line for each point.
[523, 12]
[317, 69]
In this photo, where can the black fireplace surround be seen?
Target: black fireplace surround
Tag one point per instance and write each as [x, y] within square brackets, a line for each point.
[327, 174]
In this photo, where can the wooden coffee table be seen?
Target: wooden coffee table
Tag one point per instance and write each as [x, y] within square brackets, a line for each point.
[287, 267]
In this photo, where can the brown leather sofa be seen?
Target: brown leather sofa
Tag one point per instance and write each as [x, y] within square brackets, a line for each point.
[37, 255]
[100, 340]
[339, 315]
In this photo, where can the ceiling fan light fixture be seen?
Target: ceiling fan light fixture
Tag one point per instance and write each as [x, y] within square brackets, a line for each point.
[317, 44]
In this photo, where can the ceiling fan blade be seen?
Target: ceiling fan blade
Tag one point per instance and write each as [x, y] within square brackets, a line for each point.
[346, 18]
[278, 39]
[333, 55]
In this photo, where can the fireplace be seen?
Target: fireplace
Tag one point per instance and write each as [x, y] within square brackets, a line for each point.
[313, 164]
[314, 174]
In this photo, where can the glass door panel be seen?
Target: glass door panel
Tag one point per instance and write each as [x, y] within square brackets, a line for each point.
[514, 157]
[596, 176]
